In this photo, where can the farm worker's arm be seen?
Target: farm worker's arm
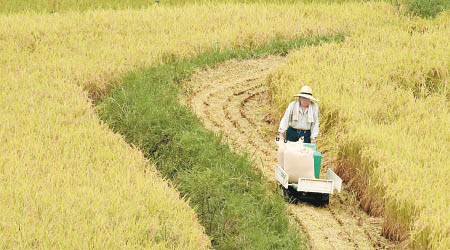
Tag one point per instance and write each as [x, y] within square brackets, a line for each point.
[284, 123]
[315, 124]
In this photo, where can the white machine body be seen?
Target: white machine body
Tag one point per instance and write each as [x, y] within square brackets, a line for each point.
[326, 186]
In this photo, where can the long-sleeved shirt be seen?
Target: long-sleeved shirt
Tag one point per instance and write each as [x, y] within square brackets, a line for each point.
[302, 122]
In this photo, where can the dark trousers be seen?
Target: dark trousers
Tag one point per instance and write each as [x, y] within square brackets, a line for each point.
[295, 134]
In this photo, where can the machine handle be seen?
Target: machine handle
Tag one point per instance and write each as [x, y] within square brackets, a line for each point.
[278, 139]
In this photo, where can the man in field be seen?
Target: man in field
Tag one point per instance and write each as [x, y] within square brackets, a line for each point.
[301, 118]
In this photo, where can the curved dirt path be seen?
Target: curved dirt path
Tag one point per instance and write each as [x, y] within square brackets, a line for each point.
[231, 99]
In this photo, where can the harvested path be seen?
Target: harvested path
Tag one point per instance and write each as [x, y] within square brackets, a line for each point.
[232, 100]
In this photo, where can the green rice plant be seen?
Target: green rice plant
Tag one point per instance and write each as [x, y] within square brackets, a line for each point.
[426, 8]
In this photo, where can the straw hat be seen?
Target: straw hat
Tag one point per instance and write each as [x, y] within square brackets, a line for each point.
[306, 92]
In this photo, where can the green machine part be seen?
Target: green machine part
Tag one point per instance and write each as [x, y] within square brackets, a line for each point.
[317, 161]
[312, 146]
[317, 158]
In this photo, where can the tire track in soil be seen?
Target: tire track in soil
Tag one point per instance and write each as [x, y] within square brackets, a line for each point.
[231, 99]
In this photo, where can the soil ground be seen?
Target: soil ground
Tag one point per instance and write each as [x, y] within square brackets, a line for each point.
[231, 99]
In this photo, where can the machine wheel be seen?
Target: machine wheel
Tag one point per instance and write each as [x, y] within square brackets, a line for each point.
[289, 195]
[322, 200]
[315, 199]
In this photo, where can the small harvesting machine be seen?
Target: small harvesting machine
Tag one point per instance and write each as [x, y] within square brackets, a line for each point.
[309, 188]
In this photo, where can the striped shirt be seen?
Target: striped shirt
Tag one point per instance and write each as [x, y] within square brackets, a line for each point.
[302, 122]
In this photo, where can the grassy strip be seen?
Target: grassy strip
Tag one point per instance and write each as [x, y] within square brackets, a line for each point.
[233, 201]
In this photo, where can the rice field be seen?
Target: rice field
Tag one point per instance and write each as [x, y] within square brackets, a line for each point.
[66, 180]
[385, 99]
